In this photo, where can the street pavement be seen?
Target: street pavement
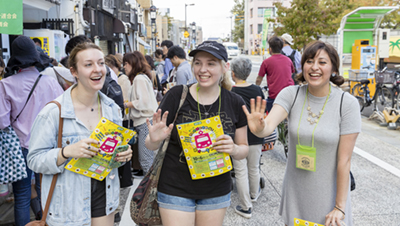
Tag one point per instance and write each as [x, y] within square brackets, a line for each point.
[375, 166]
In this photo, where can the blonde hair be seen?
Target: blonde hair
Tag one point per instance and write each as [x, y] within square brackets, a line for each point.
[225, 81]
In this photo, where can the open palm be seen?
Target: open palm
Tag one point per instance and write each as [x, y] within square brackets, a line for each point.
[159, 131]
[255, 118]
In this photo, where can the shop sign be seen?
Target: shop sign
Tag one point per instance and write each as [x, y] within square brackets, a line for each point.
[45, 44]
[109, 5]
[11, 17]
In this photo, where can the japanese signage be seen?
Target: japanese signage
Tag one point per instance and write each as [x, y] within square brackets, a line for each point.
[267, 15]
[45, 44]
[11, 17]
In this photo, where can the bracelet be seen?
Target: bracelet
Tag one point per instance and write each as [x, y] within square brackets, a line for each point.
[340, 211]
[62, 153]
[125, 105]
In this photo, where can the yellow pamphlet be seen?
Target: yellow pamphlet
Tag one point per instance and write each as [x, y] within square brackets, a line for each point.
[197, 138]
[300, 222]
[113, 139]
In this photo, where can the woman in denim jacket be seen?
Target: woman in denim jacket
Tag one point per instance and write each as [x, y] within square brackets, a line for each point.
[77, 199]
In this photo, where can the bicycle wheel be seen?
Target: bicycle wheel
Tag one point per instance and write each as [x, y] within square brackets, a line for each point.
[385, 97]
[357, 91]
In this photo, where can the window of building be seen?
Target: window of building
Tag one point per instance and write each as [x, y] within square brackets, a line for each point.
[259, 28]
[251, 28]
[260, 11]
[251, 13]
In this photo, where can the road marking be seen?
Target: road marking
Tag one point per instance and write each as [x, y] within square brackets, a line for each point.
[378, 162]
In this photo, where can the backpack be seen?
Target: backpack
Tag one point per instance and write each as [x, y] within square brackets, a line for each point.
[112, 90]
[291, 57]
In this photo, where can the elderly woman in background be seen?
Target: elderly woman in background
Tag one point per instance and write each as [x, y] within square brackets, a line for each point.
[247, 171]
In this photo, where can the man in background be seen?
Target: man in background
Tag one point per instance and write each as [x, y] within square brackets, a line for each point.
[278, 69]
[293, 54]
[182, 73]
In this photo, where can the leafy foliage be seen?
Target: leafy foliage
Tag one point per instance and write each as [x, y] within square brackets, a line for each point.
[238, 12]
[305, 20]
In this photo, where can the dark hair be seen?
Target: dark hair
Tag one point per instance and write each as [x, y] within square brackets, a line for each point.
[176, 51]
[74, 42]
[72, 60]
[2, 64]
[276, 44]
[112, 61]
[167, 43]
[159, 52]
[138, 64]
[150, 61]
[37, 40]
[315, 48]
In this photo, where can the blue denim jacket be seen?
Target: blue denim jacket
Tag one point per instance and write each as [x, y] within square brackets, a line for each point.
[70, 204]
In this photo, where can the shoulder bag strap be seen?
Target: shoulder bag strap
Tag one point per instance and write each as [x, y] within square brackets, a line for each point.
[295, 97]
[53, 182]
[29, 96]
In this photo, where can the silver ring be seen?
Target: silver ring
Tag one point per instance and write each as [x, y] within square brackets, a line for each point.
[88, 147]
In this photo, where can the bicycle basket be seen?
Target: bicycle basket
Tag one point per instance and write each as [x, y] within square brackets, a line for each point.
[358, 75]
[386, 77]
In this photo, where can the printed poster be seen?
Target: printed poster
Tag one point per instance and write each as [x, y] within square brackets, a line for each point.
[300, 222]
[113, 139]
[197, 138]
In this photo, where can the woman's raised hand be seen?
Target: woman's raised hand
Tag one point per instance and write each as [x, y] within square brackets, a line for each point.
[255, 119]
[159, 131]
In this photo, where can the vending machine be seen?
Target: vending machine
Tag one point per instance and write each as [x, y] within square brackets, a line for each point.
[363, 64]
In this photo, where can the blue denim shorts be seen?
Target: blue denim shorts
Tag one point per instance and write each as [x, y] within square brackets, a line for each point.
[191, 205]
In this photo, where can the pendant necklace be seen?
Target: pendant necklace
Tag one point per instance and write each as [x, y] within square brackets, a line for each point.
[312, 117]
[206, 113]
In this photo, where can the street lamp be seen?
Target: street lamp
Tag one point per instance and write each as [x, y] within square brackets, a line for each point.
[231, 27]
[153, 15]
[186, 5]
[194, 34]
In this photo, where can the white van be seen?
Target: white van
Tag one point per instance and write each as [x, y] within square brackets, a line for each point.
[232, 49]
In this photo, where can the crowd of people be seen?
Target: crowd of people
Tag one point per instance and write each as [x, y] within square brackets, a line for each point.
[142, 93]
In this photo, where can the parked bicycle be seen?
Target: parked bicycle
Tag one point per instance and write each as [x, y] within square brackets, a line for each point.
[383, 94]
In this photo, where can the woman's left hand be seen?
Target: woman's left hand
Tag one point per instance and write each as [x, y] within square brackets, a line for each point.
[224, 143]
[334, 218]
[124, 156]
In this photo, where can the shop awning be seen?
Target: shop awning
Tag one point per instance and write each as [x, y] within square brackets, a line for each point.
[143, 43]
[39, 4]
[118, 26]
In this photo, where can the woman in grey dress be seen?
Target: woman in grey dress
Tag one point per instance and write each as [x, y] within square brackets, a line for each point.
[323, 125]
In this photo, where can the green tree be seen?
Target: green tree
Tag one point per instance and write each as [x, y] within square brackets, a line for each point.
[305, 20]
[238, 31]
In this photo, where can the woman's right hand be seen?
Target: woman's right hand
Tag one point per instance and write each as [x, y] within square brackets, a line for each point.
[159, 131]
[82, 149]
[255, 119]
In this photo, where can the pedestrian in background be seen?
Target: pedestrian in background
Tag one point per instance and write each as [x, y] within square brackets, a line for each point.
[323, 126]
[160, 63]
[142, 102]
[165, 45]
[182, 73]
[77, 199]
[293, 54]
[14, 92]
[247, 170]
[278, 69]
[184, 201]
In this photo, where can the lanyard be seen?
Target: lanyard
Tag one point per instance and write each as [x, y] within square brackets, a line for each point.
[98, 106]
[198, 105]
[301, 115]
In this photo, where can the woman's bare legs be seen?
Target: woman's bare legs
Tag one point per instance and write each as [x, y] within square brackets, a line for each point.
[104, 221]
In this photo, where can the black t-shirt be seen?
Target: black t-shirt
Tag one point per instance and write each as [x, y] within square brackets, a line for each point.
[247, 93]
[175, 177]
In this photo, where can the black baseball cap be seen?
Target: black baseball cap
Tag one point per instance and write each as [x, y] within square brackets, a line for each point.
[212, 47]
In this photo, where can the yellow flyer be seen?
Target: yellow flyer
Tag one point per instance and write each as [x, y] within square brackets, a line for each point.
[300, 222]
[196, 138]
[113, 138]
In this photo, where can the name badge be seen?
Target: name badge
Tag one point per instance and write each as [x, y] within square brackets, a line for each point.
[306, 157]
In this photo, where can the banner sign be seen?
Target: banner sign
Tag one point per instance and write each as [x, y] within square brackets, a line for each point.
[267, 15]
[11, 17]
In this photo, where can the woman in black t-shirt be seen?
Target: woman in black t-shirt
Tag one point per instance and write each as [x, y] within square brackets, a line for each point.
[184, 201]
[247, 172]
